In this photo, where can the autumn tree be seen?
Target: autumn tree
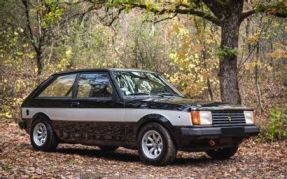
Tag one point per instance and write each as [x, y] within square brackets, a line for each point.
[192, 57]
[40, 16]
[228, 14]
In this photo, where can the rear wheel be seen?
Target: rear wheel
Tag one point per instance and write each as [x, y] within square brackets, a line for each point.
[222, 153]
[155, 145]
[107, 148]
[42, 135]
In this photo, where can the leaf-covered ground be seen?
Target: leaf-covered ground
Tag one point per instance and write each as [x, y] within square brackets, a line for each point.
[18, 159]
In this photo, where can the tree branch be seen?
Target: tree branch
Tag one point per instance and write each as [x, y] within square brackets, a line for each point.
[178, 10]
[155, 21]
[215, 7]
[277, 9]
[115, 17]
[28, 24]
[246, 14]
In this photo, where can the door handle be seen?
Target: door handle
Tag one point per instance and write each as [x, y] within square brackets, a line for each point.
[75, 104]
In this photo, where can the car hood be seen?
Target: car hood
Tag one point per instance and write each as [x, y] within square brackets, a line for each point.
[180, 103]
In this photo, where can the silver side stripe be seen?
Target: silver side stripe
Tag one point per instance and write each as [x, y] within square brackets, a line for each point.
[177, 118]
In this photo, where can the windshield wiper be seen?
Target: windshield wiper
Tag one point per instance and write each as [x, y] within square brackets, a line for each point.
[158, 94]
[134, 94]
[167, 94]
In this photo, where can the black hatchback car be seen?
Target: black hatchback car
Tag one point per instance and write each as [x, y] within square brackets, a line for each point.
[134, 109]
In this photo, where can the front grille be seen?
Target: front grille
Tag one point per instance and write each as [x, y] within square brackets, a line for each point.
[228, 118]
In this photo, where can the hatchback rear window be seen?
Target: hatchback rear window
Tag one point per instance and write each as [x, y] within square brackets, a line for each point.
[61, 87]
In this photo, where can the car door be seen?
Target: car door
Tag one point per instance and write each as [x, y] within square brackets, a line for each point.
[97, 109]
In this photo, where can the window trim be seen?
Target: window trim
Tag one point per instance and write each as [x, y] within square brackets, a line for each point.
[162, 79]
[37, 96]
[76, 87]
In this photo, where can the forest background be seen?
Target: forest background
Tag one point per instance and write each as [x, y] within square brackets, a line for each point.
[189, 42]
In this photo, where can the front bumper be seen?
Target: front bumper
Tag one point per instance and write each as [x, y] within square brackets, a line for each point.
[198, 138]
[219, 132]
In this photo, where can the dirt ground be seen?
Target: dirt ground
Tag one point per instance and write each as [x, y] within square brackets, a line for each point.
[19, 160]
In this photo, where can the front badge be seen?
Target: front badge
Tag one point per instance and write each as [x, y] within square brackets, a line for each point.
[229, 118]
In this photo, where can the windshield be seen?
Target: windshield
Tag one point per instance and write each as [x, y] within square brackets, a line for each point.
[138, 83]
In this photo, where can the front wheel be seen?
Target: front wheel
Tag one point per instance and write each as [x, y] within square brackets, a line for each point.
[222, 153]
[42, 135]
[155, 145]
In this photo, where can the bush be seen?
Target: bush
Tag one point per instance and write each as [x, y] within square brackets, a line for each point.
[276, 128]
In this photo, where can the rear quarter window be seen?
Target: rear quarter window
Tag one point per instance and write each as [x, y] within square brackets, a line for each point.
[62, 86]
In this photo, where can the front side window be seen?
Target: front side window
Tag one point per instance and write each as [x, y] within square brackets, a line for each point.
[61, 87]
[94, 85]
[137, 83]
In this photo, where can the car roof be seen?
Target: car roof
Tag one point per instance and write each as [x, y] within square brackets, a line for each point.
[100, 70]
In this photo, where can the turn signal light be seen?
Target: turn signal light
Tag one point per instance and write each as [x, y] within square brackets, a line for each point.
[195, 117]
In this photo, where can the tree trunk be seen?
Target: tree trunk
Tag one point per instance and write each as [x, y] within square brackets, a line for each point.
[40, 64]
[257, 80]
[228, 62]
[208, 83]
[209, 88]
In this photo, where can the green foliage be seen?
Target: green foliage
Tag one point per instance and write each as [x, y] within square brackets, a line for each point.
[279, 7]
[52, 15]
[276, 128]
[226, 51]
[223, 2]
[193, 60]
[261, 8]
[119, 2]
[86, 46]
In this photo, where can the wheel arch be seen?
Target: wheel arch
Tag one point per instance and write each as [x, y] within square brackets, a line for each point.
[40, 115]
[157, 118]
[45, 117]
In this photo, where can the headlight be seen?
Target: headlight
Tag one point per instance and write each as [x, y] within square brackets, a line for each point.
[201, 117]
[249, 117]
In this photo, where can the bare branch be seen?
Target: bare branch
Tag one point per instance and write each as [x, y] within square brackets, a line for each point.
[115, 17]
[28, 26]
[277, 9]
[216, 7]
[246, 14]
[178, 10]
[155, 21]
[253, 11]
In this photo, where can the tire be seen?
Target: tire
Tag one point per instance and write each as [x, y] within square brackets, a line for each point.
[42, 135]
[107, 148]
[158, 151]
[223, 153]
